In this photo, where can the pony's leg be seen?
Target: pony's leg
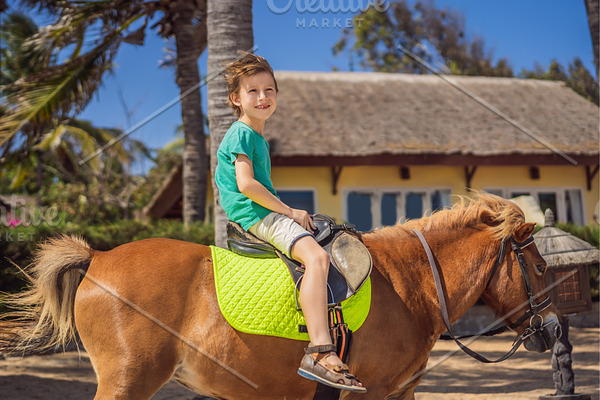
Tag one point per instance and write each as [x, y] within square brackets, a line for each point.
[130, 379]
[407, 392]
[132, 356]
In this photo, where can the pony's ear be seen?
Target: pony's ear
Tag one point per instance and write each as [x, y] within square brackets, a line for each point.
[524, 231]
[488, 218]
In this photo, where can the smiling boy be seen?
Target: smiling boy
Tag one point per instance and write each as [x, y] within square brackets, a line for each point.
[247, 195]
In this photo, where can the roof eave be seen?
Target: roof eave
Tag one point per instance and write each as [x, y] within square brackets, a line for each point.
[433, 159]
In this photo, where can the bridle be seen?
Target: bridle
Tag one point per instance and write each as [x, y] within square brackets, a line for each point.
[534, 308]
[536, 320]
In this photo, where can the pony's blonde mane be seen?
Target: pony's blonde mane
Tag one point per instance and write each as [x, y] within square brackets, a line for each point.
[502, 216]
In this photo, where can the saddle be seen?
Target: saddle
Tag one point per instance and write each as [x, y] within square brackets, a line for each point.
[350, 266]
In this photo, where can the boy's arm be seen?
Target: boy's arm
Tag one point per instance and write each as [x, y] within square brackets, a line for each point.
[255, 191]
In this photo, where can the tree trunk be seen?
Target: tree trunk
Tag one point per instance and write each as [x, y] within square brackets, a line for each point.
[593, 13]
[194, 152]
[229, 26]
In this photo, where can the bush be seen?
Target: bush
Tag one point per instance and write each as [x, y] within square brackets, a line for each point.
[18, 243]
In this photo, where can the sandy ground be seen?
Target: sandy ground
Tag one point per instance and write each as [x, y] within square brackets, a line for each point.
[451, 375]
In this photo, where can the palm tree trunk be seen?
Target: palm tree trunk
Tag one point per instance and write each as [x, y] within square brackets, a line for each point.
[229, 26]
[593, 13]
[194, 152]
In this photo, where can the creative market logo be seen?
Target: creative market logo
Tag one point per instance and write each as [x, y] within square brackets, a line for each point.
[327, 6]
[15, 212]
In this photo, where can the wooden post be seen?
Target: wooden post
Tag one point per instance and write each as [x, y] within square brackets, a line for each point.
[336, 171]
[469, 172]
[564, 378]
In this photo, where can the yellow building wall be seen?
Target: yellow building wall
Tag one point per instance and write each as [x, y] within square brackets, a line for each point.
[320, 180]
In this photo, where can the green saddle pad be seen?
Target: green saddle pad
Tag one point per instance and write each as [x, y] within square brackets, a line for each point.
[257, 296]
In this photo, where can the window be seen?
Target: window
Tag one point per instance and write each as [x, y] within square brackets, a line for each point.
[547, 200]
[566, 204]
[414, 205]
[372, 208]
[359, 210]
[300, 199]
[497, 192]
[440, 199]
[389, 209]
[574, 206]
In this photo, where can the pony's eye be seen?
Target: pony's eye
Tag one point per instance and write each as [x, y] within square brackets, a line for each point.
[540, 268]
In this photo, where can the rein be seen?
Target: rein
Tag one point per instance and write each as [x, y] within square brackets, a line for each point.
[532, 313]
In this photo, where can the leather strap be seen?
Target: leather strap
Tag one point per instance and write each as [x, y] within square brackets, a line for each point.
[499, 260]
[344, 334]
[342, 337]
[444, 309]
[320, 349]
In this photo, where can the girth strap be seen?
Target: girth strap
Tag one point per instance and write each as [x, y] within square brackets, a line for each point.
[444, 309]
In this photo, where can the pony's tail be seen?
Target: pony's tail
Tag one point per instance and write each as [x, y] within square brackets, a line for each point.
[44, 317]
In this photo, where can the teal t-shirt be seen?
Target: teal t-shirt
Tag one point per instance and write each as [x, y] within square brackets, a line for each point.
[242, 139]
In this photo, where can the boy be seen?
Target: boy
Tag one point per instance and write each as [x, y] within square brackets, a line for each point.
[247, 195]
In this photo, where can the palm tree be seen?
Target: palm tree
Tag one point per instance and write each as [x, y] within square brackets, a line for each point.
[194, 153]
[19, 58]
[94, 30]
[68, 139]
[593, 13]
[229, 26]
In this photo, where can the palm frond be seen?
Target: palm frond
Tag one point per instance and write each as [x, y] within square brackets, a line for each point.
[139, 147]
[19, 176]
[51, 140]
[18, 56]
[60, 89]
[176, 145]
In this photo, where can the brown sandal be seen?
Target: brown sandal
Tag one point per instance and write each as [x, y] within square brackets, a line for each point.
[314, 366]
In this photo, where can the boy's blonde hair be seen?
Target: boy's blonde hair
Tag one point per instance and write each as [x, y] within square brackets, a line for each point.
[250, 64]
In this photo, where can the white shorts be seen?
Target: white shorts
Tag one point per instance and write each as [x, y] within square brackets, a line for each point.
[279, 230]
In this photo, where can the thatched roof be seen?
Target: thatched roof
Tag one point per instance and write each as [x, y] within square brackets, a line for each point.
[345, 114]
[561, 249]
[166, 202]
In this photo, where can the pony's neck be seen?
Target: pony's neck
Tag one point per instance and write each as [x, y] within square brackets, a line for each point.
[465, 257]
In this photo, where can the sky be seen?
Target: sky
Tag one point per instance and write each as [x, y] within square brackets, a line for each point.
[296, 39]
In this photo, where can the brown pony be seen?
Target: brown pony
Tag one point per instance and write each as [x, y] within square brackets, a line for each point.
[147, 312]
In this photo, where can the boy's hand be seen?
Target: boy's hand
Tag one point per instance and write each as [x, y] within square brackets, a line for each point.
[303, 219]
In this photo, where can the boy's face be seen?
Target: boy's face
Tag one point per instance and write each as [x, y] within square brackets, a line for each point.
[256, 96]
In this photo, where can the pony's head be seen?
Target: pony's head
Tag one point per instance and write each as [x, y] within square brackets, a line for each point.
[516, 289]
[513, 279]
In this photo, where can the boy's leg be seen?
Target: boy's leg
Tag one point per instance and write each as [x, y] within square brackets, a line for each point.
[283, 232]
[313, 291]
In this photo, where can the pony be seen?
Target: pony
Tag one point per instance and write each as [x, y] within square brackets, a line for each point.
[146, 312]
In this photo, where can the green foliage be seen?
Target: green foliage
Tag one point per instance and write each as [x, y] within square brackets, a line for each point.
[438, 37]
[79, 203]
[18, 244]
[577, 77]
[590, 233]
[57, 91]
[18, 57]
[435, 35]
